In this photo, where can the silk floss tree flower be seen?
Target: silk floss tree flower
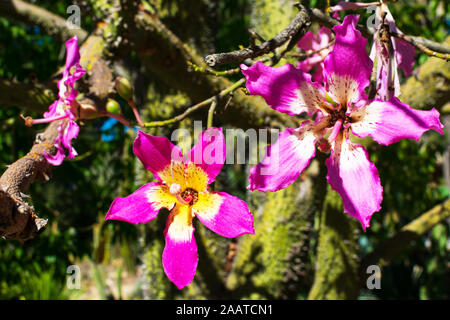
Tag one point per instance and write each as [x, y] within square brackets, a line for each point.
[64, 109]
[183, 189]
[340, 108]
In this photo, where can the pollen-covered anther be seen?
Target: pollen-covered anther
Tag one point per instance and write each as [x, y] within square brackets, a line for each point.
[189, 196]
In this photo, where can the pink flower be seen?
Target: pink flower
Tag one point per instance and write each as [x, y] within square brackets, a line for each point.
[340, 106]
[183, 189]
[65, 108]
[313, 42]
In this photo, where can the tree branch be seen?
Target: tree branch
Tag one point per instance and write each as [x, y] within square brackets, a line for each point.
[34, 15]
[204, 103]
[390, 248]
[18, 219]
[299, 25]
[30, 96]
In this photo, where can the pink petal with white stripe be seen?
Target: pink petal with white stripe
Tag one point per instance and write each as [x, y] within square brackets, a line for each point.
[390, 121]
[142, 205]
[347, 67]
[285, 89]
[285, 159]
[180, 256]
[209, 153]
[355, 178]
[224, 214]
[155, 153]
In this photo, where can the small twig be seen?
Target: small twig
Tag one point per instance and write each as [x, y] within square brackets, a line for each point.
[298, 26]
[255, 36]
[310, 53]
[421, 47]
[213, 72]
[195, 107]
[212, 108]
[136, 112]
[119, 118]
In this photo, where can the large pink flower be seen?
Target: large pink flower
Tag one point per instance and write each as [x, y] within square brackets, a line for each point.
[183, 189]
[65, 108]
[340, 106]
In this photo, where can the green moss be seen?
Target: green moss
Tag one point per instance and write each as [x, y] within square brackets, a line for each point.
[336, 274]
[273, 261]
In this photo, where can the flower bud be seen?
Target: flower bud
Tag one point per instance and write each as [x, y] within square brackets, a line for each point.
[124, 88]
[85, 111]
[113, 106]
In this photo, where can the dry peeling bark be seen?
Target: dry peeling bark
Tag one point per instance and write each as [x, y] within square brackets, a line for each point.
[18, 220]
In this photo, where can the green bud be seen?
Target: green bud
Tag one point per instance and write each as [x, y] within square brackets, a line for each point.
[124, 88]
[113, 107]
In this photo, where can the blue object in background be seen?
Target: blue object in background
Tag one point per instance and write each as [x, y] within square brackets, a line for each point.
[107, 133]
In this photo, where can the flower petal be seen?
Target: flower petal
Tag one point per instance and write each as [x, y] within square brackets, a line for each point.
[51, 110]
[58, 158]
[390, 121]
[355, 178]
[405, 54]
[347, 67]
[209, 153]
[180, 256]
[309, 42]
[70, 132]
[344, 5]
[73, 60]
[285, 159]
[285, 89]
[224, 214]
[155, 153]
[143, 205]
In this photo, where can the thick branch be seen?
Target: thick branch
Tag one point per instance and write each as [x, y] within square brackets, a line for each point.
[299, 24]
[34, 15]
[390, 248]
[18, 220]
[30, 96]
